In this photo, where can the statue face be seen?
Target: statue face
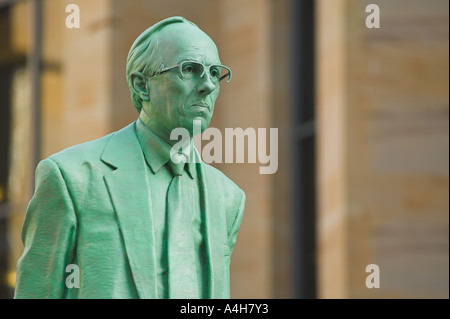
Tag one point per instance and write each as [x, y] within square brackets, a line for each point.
[176, 101]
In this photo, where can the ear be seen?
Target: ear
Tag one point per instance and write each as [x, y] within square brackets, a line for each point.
[139, 85]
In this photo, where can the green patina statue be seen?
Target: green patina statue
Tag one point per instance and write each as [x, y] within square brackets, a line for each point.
[120, 217]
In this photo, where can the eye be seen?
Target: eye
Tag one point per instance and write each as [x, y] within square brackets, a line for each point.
[188, 68]
[215, 73]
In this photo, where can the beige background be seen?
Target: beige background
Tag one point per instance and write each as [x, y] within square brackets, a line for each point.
[382, 129]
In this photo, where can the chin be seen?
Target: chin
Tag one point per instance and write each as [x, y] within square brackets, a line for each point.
[195, 129]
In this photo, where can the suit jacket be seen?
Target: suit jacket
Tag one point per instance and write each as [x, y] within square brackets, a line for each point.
[91, 208]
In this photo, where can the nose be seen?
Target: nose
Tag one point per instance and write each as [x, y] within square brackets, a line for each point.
[206, 86]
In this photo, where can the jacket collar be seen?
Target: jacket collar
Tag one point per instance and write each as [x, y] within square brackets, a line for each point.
[157, 151]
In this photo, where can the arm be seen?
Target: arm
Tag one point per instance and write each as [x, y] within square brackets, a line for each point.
[48, 234]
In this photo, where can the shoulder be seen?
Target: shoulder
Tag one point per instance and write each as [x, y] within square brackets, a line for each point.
[88, 152]
[231, 196]
[81, 152]
[80, 164]
[220, 179]
[230, 192]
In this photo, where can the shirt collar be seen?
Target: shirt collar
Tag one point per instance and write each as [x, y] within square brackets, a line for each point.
[157, 151]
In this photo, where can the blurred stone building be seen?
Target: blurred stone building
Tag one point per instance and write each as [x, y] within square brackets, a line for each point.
[362, 116]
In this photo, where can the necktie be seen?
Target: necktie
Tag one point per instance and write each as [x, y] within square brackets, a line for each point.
[181, 253]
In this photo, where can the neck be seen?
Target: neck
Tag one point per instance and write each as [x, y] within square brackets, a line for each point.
[159, 130]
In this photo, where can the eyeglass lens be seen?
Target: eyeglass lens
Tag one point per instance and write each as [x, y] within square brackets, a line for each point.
[190, 70]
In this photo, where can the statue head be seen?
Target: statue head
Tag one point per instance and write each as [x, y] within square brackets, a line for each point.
[174, 75]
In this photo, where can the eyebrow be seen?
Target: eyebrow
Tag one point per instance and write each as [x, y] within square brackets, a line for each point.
[191, 59]
[199, 61]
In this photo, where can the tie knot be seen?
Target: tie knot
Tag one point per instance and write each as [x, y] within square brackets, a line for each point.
[177, 163]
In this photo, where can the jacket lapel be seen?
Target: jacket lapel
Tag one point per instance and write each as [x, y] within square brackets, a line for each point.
[130, 195]
[214, 237]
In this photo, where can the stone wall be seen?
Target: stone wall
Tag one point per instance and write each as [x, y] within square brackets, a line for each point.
[383, 149]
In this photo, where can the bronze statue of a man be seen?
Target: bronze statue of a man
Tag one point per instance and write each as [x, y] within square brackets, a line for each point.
[133, 220]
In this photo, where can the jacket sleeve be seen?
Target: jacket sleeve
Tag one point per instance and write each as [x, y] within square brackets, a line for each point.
[236, 223]
[48, 234]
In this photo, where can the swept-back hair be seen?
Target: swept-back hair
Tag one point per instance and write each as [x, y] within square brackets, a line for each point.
[143, 56]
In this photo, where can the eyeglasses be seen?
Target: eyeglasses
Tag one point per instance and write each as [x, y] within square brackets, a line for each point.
[190, 69]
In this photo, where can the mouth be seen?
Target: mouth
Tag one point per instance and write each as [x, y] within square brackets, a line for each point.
[200, 105]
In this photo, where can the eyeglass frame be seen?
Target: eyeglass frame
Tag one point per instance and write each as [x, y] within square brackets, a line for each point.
[201, 76]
